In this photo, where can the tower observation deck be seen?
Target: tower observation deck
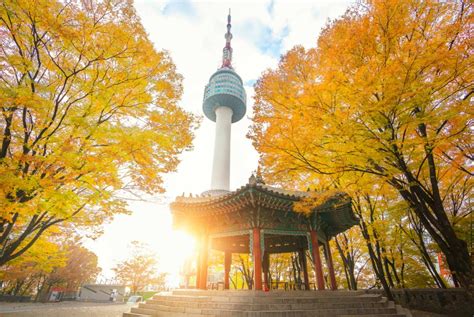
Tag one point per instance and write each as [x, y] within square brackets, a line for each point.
[224, 103]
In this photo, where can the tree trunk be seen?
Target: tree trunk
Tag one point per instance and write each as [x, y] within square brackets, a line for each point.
[375, 257]
[234, 284]
[348, 262]
[246, 273]
[454, 249]
[427, 204]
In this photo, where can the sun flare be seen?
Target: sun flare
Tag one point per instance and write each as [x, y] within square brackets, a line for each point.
[178, 248]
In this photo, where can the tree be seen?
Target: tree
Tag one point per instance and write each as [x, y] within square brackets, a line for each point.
[81, 267]
[88, 113]
[140, 270]
[376, 233]
[417, 234]
[55, 260]
[386, 93]
[354, 260]
[26, 275]
[283, 269]
[246, 269]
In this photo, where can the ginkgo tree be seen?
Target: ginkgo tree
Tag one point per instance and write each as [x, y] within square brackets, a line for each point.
[386, 92]
[88, 109]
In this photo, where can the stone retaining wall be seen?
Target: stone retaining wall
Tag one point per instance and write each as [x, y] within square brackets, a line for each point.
[12, 298]
[452, 302]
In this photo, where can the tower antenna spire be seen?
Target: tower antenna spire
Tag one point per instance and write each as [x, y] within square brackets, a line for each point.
[227, 51]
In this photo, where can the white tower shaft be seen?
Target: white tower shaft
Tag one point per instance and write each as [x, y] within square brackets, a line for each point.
[221, 163]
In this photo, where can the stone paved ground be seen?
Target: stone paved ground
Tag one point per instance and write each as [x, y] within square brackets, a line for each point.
[63, 309]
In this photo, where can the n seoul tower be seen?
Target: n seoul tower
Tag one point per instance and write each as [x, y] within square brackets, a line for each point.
[224, 103]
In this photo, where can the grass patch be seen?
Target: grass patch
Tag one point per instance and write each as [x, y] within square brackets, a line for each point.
[147, 295]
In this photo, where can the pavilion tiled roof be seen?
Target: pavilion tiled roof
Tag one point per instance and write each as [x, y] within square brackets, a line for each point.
[283, 193]
[335, 211]
[254, 193]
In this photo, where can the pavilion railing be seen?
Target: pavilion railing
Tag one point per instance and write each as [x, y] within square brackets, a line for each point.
[287, 286]
[291, 286]
[216, 286]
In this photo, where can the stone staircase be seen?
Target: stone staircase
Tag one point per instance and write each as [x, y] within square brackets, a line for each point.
[181, 303]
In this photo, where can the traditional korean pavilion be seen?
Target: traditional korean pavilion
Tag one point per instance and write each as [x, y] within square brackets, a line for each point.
[260, 220]
[256, 218]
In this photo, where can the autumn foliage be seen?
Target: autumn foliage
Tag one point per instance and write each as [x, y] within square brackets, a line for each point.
[88, 111]
[55, 260]
[381, 104]
[140, 270]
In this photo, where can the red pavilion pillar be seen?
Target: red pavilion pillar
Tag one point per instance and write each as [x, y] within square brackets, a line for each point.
[332, 275]
[203, 266]
[257, 259]
[304, 265]
[227, 263]
[198, 269]
[266, 270]
[317, 260]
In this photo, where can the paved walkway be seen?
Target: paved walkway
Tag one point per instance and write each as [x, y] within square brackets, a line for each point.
[62, 309]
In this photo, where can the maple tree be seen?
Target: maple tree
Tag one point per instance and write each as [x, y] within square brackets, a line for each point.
[88, 113]
[81, 267]
[416, 233]
[241, 271]
[246, 269]
[279, 266]
[382, 240]
[353, 259]
[26, 275]
[385, 93]
[54, 260]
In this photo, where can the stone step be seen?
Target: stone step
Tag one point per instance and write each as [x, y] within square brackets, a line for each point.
[273, 293]
[313, 314]
[376, 315]
[268, 300]
[292, 312]
[135, 315]
[192, 303]
[273, 306]
[155, 313]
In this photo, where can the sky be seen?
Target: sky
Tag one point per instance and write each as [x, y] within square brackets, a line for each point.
[193, 34]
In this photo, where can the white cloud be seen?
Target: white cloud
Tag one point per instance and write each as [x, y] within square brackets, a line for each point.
[194, 36]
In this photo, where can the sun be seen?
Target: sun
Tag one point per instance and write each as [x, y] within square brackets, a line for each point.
[183, 242]
[177, 249]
